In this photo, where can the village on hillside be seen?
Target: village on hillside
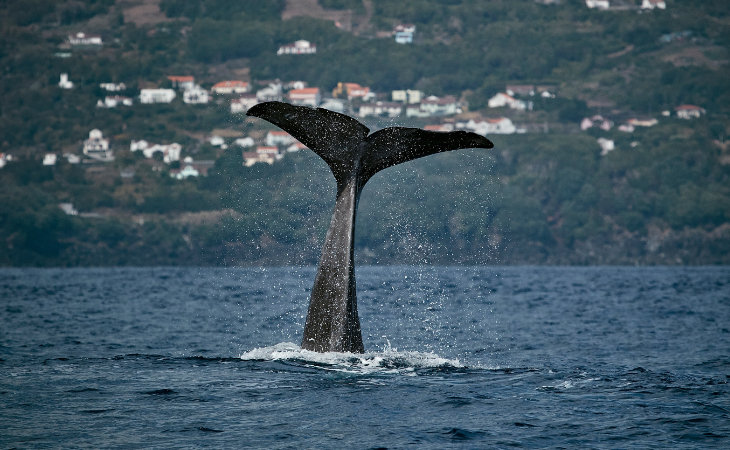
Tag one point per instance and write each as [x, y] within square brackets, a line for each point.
[444, 113]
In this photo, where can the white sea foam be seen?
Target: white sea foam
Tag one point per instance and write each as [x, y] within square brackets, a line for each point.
[388, 360]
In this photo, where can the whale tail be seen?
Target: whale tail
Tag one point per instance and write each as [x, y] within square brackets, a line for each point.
[354, 156]
[343, 142]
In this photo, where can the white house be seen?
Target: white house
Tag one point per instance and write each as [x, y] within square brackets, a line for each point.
[597, 121]
[274, 138]
[501, 125]
[390, 109]
[598, 4]
[112, 101]
[230, 87]
[217, 141]
[71, 158]
[503, 99]
[5, 158]
[306, 96]
[243, 103]
[148, 96]
[170, 152]
[607, 145]
[408, 96]
[440, 106]
[265, 154]
[97, 147]
[689, 111]
[244, 142]
[273, 92]
[296, 146]
[300, 47]
[333, 104]
[82, 38]
[404, 33]
[64, 82]
[652, 4]
[49, 159]
[69, 209]
[196, 95]
[416, 111]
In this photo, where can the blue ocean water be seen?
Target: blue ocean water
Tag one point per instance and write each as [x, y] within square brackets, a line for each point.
[473, 357]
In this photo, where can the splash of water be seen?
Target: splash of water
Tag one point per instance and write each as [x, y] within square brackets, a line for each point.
[388, 360]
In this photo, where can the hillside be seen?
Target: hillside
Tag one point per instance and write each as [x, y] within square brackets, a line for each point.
[553, 191]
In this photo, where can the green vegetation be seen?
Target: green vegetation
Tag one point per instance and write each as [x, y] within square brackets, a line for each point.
[548, 196]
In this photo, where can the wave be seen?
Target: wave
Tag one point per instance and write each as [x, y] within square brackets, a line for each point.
[388, 361]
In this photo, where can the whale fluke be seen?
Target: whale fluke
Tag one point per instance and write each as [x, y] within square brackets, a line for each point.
[353, 156]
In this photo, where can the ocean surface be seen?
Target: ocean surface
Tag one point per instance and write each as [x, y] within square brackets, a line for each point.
[457, 357]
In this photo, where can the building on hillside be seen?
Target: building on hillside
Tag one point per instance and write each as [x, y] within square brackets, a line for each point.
[169, 152]
[230, 87]
[189, 168]
[440, 106]
[503, 99]
[271, 93]
[300, 47]
[305, 97]
[112, 101]
[97, 147]
[49, 159]
[149, 96]
[196, 95]
[82, 39]
[5, 158]
[64, 82]
[69, 209]
[243, 103]
[296, 146]
[185, 171]
[265, 154]
[407, 96]
[217, 141]
[501, 125]
[598, 4]
[596, 121]
[607, 145]
[653, 4]
[380, 109]
[352, 91]
[245, 142]
[182, 81]
[333, 104]
[404, 33]
[275, 138]
[416, 111]
[689, 112]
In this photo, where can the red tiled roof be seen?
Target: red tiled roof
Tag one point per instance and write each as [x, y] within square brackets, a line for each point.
[305, 91]
[230, 84]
